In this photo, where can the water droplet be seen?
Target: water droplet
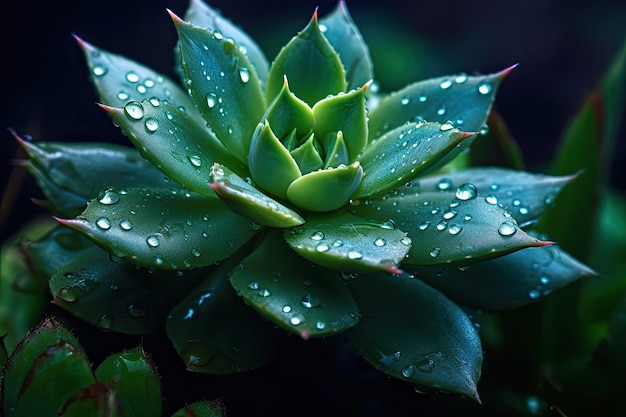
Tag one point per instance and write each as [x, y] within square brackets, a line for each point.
[434, 252]
[310, 301]
[317, 236]
[426, 365]
[320, 325]
[442, 225]
[445, 84]
[67, 294]
[353, 254]
[422, 98]
[137, 311]
[195, 252]
[103, 223]
[195, 160]
[484, 129]
[253, 285]
[196, 355]
[424, 225]
[211, 100]
[534, 294]
[108, 196]
[388, 225]
[405, 100]
[441, 111]
[446, 126]
[297, 320]
[123, 95]
[466, 191]
[105, 321]
[132, 77]
[408, 371]
[155, 101]
[444, 184]
[126, 224]
[153, 241]
[491, 199]
[461, 78]
[264, 292]
[544, 280]
[455, 229]
[244, 75]
[507, 228]
[322, 247]
[152, 124]
[406, 241]
[337, 243]
[134, 110]
[99, 70]
[485, 87]
[286, 309]
[379, 242]
[449, 214]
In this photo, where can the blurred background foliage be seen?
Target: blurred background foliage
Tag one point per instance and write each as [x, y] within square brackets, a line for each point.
[563, 356]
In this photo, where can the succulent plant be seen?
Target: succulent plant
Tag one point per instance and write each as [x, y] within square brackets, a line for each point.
[262, 200]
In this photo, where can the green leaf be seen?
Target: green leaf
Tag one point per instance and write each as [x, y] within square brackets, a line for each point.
[403, 153]
[40, 356]
[345, 38]
[71, 174]
[97, 400]
[167, 137]
[412, 332]
[513, 280]
[212, 408]
[249, 202]
[271, 165]
[56, 248]
[305, 299]
[463, 100]
[327, 189]
[307, 156]
[222, 83]
[448, 227]
[214, 332]
[348, 243]
[310, 63]
[525, 195]
[133, 375]
[163, 229]
[287, 113]
[118, 296]
[345, 113]
[201, 14]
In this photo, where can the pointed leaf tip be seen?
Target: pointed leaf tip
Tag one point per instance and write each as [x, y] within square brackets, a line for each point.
[500, 75]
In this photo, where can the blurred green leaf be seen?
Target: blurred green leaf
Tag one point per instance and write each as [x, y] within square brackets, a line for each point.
[213, 408]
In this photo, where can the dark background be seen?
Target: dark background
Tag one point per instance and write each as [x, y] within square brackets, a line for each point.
[563, 47]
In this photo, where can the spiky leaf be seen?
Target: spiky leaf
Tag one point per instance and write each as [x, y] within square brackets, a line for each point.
[304, 299]
[412, 332]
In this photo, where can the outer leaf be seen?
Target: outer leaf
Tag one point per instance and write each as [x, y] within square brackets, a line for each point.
[201, 14]
[345, 113]
[308, 300]
[118, 296]
[509, 281]
[98, 399]
[166, 137]
[249, 202]
[271, 165]
[463, 100]
[163, 229]
[336, 185]
[136, 382]
[223, 84]
[322, 75]
[348, 243]
[447, 229]
[213, 408]
[19, 371]
[412, 332]
[56, 248]
[525, 195]
[206, 328]
[340, 30]
[71, 174]
[405, 152]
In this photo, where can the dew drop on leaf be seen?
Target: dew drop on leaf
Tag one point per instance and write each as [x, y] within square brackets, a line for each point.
[99, 70]
[195, 160]
[353, 254]
[507, 228]
[485, 87]
[286, 309]
[310, 301]
[297, 320]
[408, 371]
[153, 241]
[491, 199]
[132, 77]
[108, 196]
[466, 191]
[317, 236]
[103, 223]
[105, 321]
[152, 124]
[445, 84]
[455, 229]
[67, 294]
[134, 110]
[244, 75]
[379, 242]
[434, 252]
[322, 247]
[126, 224]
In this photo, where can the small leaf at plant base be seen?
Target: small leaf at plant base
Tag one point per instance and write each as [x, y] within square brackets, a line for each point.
[214, 65]
[525, 195]
[118, 296]
[448, 227]
[166, 136]
[347, 243]
[137, 385]
[271, 165]
[71, 174]
[326, 189]
[344, 36]
[214, 332]
[201, 14]
[322, 75]
[345, 113]
[412, 332]
[509, 281]
[163, 229]
[249, 202]
[308, 300]
[49, 352]
[212, 408]
[405, 152]
[463, 100]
